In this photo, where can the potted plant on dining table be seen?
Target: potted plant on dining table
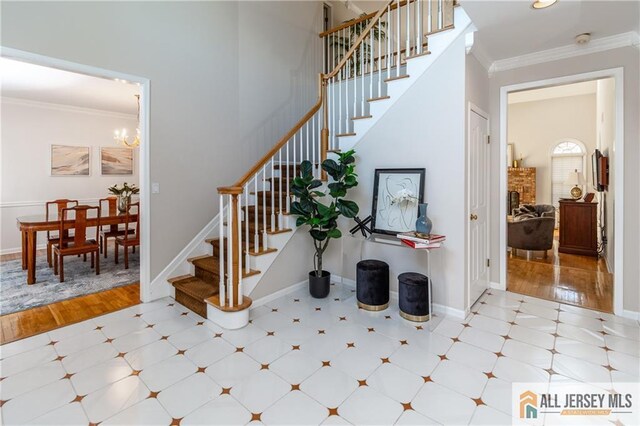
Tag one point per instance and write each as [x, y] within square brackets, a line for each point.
[124, 194]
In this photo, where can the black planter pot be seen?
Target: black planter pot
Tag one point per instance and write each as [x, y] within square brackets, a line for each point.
[319, 286]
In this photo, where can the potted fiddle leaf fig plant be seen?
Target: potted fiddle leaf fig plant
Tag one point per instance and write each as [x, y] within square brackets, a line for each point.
[322, 216]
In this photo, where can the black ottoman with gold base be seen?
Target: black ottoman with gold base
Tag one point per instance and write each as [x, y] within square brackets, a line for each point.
[372, 285]
[413, 295]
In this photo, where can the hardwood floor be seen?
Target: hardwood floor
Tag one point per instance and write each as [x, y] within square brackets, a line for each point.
[577, 280]
[41, 319]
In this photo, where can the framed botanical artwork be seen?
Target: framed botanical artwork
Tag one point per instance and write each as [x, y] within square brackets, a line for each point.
[70, 160]
[116, 161]
[396, 195]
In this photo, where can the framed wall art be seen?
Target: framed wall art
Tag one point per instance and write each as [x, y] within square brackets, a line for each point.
[396, 195]
[70, 160]
[116, 161]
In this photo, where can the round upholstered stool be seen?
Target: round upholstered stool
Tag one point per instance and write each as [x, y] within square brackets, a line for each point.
[413, 293]
[372, 285]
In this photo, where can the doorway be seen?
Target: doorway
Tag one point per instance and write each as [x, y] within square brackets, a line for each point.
[478, 184]
[558, 235]
[78, 162]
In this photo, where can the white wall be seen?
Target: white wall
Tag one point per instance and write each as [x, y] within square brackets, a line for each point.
[605, 130]
[534, 128]
[28, 130]
[627, 58]
[191, 52]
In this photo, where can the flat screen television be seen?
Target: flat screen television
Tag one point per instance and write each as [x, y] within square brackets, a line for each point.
[599, 171]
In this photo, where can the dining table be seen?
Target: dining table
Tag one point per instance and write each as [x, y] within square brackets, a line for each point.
[29, 227]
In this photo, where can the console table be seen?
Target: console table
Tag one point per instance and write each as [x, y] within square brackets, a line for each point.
[578, 228]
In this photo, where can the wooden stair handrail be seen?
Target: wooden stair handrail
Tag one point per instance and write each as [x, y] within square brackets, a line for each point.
[237, 187]
[356, 21]
[358, 41]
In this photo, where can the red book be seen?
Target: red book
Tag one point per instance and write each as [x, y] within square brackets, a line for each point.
[416, 245]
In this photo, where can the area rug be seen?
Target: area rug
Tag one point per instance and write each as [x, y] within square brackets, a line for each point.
[80, 279]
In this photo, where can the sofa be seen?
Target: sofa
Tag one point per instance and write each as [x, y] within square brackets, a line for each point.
[532, 228]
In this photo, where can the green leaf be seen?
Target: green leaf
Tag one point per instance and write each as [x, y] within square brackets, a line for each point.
[300, 221]
[307, 205]
[318, 193]
[337, 189]
[332, 168]
[350, 181]
[323, 210]
[315, 184]
[305, 168]
[296, 209]
[348, 208]
[318, 235]
[334, 233]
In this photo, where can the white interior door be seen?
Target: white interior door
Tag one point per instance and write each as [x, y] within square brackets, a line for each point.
[478, 205]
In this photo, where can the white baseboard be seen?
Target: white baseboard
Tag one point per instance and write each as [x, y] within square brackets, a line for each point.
[277, 294]
[496, 286]
[159, 285]
[19, 249]
[634, 315]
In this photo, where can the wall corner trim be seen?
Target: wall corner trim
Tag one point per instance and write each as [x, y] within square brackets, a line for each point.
[627, 39]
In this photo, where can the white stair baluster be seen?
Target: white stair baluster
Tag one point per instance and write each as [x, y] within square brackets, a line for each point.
[362, 73]
[312, 141]
[221, 288]
[429, 16]
[346, 88]
[264, 209]
[388, 55]
[407, 49]
[399, 37]
[419, 27]
[256, 237]
[273, 197]
[440, 15]
[288, 200]
[372, 57]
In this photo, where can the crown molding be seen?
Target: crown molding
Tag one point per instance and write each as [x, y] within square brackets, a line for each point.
[481, 55]
[66, 108]
[627, 39]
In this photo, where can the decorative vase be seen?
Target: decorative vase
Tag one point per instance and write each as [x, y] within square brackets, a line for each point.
[123, 203]
[423, 224]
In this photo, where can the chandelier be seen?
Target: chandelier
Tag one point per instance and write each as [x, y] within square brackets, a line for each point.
[122, 137]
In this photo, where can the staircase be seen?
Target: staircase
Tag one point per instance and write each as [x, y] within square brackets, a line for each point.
[364, 60]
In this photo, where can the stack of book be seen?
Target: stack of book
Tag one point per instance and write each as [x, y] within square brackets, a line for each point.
[419, 241]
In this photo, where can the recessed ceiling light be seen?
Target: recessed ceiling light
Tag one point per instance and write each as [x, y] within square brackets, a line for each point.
[542, 4]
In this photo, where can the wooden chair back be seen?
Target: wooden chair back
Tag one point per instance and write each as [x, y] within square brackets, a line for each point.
[81, 214]
[60, 204]
[130, 217]
[111, 209]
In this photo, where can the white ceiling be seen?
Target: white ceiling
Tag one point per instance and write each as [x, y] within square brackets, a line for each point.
[513, 28]
[566, 90]
[37, 83]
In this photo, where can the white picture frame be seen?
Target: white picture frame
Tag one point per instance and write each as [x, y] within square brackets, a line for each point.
[68, 160]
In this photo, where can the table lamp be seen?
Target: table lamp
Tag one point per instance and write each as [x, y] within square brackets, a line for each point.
[575, 178]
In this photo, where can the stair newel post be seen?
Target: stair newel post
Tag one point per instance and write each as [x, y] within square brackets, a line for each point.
[235, 250]
[280, 218]
[230, 244]
[264, 208]
[246, 227]
[239, 269]
[256, 236]
[325, 131]
[221, 287]
[273, 197]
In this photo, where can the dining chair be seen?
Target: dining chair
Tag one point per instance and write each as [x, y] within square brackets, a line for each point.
[52, 239]
[112, 231]
[129, 240]
[78, 244]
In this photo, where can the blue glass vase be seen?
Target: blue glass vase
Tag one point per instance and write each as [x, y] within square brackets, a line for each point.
[423, 224]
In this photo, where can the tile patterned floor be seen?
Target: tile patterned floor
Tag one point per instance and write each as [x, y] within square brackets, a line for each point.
[307, 361]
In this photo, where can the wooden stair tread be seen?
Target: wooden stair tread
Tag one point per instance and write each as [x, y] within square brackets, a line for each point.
[341, 135]
[211, 264]
[381, 98]
[398, 77]
[418, 55]
[362, 117]
[261, 252]
[196, 288]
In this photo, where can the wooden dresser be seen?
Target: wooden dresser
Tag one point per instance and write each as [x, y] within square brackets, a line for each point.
[578, 228]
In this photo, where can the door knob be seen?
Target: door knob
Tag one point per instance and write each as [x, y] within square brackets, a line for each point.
[473, 217]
